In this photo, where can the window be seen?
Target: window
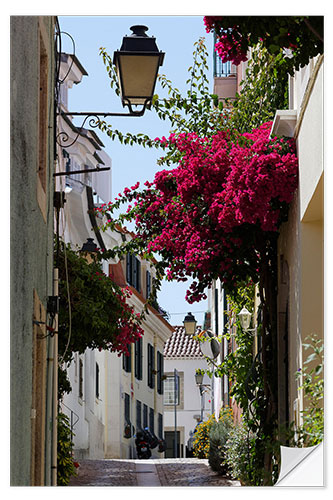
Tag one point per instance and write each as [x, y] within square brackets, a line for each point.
[148, 284]
[133, 271]
[160, 372]
[151, 366]
[151, 421]
[160, 425]
[127, 409]
[138, 359]
[145, 416]
[138, 415]
[127, 360]
[169, 390]
[80, 378]
[97, 382]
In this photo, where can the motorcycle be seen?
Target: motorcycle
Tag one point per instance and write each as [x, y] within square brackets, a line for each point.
[146, 441]
[142, 445]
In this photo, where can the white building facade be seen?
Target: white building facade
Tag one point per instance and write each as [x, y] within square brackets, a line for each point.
[182, 353]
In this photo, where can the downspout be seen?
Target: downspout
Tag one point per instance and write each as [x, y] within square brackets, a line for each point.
[55, 388]
[48, 447]
[155, 366]
[132, 398]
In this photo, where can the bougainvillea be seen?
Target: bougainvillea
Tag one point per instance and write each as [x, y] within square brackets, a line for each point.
[301, 35]
[208, 217]
[94, 311]
[217, 211]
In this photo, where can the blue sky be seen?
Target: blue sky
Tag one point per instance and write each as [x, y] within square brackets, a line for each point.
[175, 35]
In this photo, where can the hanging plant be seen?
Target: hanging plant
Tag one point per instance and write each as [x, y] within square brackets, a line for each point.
[94, 312]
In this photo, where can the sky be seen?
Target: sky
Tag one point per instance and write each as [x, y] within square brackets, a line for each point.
[175, 35]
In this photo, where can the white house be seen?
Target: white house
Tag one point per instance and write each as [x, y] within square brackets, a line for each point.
[110, 394]
[183, 354]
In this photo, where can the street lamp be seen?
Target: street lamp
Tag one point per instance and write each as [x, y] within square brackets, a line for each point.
[245, 318]
[199, 375]
[137, 64]
[199, 378]
[89, 250]
[190, 324]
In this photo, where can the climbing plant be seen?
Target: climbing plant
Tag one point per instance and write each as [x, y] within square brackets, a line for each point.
[216, 214]
[302, 36]
[93, 312]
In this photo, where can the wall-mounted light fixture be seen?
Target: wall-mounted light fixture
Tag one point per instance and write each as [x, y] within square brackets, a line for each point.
[137, 64]
[89, 250]
[245, 318]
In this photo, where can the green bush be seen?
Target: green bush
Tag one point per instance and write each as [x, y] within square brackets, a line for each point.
[218, 437]
[66, 466]
[201, 438]
[312, 430]
[241, 456]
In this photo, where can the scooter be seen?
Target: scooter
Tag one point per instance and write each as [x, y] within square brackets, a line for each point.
[142, 445]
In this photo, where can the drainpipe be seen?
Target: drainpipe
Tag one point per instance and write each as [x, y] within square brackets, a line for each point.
[55, 388]
[49, 395]
[132, 397]
[155, 366]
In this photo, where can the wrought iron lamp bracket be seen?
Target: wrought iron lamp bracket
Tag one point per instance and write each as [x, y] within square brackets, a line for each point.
[94, 121]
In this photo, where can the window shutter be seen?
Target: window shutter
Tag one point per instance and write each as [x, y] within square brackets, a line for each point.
[160, 368]
[127, 365]
[145, 416]
[129, 268]
[138, 359]
[148, 284]
[151, 366]
[127, 409]
[137, 282]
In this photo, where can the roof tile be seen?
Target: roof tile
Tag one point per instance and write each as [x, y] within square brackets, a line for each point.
[181, 345]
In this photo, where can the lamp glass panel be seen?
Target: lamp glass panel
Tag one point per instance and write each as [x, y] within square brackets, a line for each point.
[245, 318]
[138, 76]
[190, 327]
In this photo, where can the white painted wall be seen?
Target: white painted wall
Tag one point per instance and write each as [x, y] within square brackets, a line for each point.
[189, 410]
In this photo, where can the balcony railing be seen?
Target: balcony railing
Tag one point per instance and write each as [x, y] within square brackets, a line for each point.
[223, 69]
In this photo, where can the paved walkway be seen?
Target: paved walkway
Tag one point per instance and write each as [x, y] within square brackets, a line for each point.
[152, 472]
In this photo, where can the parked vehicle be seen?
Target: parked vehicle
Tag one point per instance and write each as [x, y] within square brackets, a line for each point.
[146, 441]
[142, 445]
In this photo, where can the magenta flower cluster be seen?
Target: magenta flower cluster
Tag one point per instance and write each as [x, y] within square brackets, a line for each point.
[229, 44]
[202, 215]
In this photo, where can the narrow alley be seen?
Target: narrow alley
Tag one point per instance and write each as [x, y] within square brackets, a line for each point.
[156, 472]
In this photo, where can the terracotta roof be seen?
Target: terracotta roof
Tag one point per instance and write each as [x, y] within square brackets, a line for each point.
[180, 345]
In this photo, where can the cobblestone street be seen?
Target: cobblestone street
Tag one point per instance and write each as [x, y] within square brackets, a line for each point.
[158, 472]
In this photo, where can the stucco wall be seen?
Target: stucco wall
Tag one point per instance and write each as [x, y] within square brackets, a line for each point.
[189, 409]
[31, 237]
[301, 240]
